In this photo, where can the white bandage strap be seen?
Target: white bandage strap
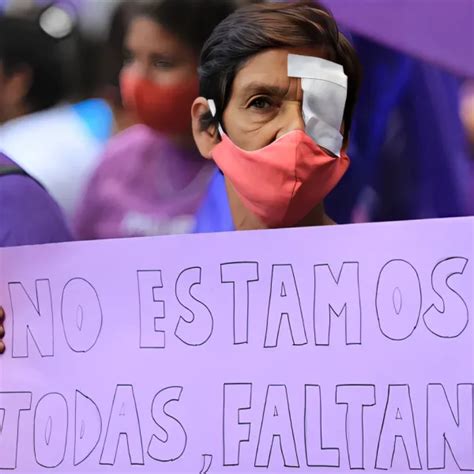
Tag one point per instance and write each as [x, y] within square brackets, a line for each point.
[212, 107]
[213, 110]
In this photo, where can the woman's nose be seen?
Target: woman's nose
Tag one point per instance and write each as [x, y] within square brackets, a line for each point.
[291, 118]
[138, 69]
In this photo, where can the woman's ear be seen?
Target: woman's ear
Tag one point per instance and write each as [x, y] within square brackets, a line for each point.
[16, 86]
[205, 139]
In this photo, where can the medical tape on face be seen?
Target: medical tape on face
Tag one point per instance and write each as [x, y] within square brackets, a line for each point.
[213, 110]
[324, 87]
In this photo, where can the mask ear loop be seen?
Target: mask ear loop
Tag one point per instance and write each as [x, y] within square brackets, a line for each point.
[213, 110]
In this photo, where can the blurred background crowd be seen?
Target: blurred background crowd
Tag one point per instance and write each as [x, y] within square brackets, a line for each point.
[95, 98]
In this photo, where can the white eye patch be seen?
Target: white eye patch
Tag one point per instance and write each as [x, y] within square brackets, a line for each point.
[324, 87]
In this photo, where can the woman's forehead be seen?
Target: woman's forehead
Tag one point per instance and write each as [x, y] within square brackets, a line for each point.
[271, 66]
[146, 33]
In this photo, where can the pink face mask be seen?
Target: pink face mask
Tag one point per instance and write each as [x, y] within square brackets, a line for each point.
[282, 182]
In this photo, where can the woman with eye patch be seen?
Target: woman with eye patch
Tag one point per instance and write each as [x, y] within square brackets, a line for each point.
[152, 179]
[278, 85]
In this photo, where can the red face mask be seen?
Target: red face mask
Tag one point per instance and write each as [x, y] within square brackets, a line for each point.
[282, 182]
[166, 109]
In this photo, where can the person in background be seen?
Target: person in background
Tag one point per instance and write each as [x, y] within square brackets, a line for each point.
[28, 83]
[278, 84]
[151, 178]
[55, 141]
[28, 214]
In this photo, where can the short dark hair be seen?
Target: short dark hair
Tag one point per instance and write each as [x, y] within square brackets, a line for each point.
[256, 28]
[192, 21]
[24, 44]
[111, 53]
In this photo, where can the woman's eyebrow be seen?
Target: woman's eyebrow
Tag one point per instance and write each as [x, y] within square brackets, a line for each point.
[254, 88]
[159, 57]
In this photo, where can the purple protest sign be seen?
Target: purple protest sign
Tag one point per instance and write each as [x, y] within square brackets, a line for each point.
[438, 31]
[318, 349]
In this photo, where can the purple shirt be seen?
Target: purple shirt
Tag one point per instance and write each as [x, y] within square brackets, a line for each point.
[143, 186]
[28, 214]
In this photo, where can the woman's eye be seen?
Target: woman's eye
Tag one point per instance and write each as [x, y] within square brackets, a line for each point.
[162, 64]
[128, 59]
[260, 103]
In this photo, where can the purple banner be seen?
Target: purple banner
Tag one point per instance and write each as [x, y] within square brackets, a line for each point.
[316, 350]
[439, 31]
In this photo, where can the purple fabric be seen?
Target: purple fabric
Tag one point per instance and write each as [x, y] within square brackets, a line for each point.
[423, 170]
[28, 215]
[68, 3]
[408, 149]
[143, 186]
[439, 31]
